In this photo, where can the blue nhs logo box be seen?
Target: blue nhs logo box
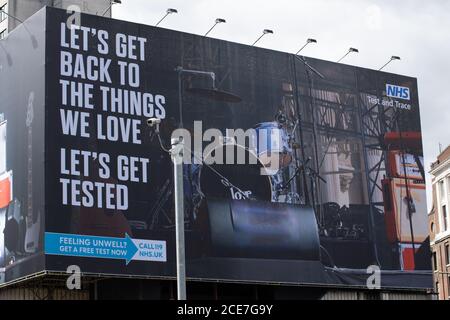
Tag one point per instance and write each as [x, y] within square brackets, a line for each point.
[398, 92]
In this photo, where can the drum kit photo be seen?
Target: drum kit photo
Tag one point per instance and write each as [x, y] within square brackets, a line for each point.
[275, 140]
[229, 179]
[233, 180]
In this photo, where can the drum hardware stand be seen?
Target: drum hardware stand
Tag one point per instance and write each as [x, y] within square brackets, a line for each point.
[227, 183]
[313, 175]
[309, 69]
[301, 146]
[297, 123]
[223, 179]
[288, 119]
[295, 146]
[163, 197]
[280, 117]
[180, 70]
[297, 171]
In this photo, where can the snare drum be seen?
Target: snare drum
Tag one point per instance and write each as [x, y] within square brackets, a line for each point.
[271, 139]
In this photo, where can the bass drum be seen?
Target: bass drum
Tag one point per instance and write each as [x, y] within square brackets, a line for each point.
[241, 179]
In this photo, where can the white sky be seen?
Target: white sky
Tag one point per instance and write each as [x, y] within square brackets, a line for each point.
[416, 30]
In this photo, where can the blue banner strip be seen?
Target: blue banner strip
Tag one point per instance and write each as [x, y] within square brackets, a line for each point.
[90, 246]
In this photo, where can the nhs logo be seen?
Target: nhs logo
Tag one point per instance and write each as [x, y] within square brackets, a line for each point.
[398, 92]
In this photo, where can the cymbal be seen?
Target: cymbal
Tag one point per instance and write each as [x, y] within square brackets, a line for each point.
[215, 94]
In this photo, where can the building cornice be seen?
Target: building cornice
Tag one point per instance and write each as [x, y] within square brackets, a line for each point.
[440, 237]
[440, 167]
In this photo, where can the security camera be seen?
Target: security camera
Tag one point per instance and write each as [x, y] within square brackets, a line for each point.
[151, 122]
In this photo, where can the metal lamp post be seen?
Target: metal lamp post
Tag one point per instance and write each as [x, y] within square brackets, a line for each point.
[351, 50]
[392, 59]
[265, 31]
[177, 153]
[310, 40]
[168, 12]
[218, 20]
[113, 2]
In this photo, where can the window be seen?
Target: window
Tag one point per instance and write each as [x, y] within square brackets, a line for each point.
[441, 190]
[447, 254]
[434, 261]
[444, 217]
[3, 16]
[448, 184]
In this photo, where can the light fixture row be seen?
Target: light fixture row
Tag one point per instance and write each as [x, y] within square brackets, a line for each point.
[309, 41]
[270, 31]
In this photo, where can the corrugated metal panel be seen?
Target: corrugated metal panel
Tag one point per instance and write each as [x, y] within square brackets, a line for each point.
[375, 295]
[340, 295]
[64, 294]
[35, 293]
[406, 296]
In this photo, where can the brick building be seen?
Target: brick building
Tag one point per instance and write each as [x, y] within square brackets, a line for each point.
[440, 223]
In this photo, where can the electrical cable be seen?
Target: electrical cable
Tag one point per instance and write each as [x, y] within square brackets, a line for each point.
[224, 180]
[328, 255]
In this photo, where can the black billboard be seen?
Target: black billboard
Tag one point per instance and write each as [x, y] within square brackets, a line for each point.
[296, 170]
